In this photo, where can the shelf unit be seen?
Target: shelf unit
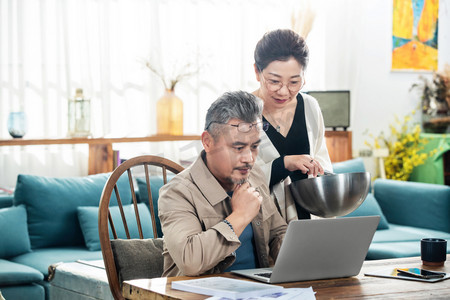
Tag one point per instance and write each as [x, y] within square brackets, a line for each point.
[339, 144]
[101, 154]
[101, 158]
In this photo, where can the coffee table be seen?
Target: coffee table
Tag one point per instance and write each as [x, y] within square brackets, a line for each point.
[356, 287]
[81, 280]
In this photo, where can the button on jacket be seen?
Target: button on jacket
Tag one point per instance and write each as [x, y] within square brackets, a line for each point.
[192, 207]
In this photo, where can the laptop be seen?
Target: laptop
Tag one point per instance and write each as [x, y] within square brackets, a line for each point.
[319, 249]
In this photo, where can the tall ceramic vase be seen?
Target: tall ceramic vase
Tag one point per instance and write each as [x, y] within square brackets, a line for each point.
[169, 110]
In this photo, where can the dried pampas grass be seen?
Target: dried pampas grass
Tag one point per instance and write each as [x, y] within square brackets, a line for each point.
[302, 19]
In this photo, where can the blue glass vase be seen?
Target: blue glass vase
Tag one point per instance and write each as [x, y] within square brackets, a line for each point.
[17, 124]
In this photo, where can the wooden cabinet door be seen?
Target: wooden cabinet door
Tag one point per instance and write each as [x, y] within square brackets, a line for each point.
[339, 144]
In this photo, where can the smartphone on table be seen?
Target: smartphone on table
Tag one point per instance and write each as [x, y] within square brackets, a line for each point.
[419, 273]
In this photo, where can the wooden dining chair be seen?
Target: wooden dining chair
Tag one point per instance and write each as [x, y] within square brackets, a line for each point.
[127, 253]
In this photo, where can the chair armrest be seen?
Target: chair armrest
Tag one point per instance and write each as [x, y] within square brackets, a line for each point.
[424, 205]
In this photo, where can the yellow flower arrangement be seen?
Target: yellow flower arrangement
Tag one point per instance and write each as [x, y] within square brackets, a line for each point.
[404, 145]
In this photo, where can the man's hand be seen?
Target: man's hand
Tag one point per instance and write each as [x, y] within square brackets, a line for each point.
[305, 163]
[245, 203]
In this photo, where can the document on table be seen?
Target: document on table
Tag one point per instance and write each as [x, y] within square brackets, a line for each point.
[285, 294]
[226, 287]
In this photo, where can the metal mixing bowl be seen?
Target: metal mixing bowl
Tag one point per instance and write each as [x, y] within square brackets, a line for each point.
[331, 195]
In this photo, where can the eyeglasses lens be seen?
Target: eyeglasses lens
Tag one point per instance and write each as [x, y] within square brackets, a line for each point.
[246, 127]
[274, 86]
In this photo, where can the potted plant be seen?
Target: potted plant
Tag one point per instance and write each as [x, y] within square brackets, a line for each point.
[435, 98]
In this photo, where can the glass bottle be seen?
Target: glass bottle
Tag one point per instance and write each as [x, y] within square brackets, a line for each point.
[79, 115]
[169, 114]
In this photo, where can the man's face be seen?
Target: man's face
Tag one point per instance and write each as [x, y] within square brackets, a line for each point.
[231, 156]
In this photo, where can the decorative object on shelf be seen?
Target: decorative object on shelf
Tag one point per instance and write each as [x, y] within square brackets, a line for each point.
[169, 108]
[17, 124]
[435, 97]
[302, 19]
[405, 148]
[79, 115]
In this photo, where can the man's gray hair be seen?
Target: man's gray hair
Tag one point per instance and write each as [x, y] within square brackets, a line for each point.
[233, 105]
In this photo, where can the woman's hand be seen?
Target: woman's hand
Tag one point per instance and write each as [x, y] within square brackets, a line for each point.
[305, 163]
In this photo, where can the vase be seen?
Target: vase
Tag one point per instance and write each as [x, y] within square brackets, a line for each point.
[169, 114]
[17, 124]
[435, 124]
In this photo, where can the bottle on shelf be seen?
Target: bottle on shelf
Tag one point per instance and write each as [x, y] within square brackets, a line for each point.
[79, 115]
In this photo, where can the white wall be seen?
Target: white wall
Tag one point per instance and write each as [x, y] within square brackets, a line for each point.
[358, 58]
[350, 47]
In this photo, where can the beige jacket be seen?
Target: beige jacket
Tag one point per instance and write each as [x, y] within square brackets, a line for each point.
[196, 241]
[318, 149]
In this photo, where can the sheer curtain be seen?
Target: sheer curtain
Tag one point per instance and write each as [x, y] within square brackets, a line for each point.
[48, 48]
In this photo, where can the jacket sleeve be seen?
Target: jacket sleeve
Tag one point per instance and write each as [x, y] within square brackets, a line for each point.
[277, 233]
[196, 246]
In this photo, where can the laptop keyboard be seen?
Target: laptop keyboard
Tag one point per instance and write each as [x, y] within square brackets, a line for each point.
[264, 274]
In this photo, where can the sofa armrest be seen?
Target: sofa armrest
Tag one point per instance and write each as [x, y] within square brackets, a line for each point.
[349, 166]
[6, 200]
[415, 204]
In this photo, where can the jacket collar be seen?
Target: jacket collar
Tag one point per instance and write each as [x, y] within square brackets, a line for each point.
[206, 182]
[213, 191]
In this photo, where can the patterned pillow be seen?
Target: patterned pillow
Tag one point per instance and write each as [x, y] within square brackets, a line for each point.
[138, 258]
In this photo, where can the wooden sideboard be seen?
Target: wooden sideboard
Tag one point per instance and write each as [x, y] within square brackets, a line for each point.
[101, 159]
[339, 144]
[100, 149]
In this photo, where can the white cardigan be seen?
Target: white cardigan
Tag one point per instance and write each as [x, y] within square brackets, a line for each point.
[318, 150]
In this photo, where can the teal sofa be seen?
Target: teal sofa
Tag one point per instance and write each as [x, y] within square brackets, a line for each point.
[409, 211]
[53, 220]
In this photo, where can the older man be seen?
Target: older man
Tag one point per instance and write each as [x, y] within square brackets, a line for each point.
[217, 215]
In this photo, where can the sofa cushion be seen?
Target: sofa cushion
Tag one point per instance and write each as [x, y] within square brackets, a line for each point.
[42, 258]
[138, 258]
[395, 250]
[88, 217]
[52, 203]
[401, 233]
[415, 204]
[14, 238]
[370, 207]
[156, 182]
[12, 273]
[24, 292]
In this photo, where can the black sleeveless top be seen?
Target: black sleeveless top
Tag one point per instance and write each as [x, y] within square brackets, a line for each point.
[296, 142]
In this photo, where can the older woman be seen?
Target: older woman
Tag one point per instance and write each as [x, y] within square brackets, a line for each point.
[294, 146]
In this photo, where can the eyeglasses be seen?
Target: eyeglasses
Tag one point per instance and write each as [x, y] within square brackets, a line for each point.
[275, 85]
[244, 127]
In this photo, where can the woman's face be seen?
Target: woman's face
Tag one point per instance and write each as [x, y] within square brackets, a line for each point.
[280, 82]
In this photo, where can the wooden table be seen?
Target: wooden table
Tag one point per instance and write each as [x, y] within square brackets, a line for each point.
[352, 287]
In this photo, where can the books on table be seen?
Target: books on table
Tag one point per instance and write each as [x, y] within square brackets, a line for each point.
[225, 287]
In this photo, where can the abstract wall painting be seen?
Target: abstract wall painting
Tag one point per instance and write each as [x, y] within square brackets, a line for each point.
[415, 35]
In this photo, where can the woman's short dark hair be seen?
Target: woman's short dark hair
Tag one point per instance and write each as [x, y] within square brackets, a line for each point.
[281, 44]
